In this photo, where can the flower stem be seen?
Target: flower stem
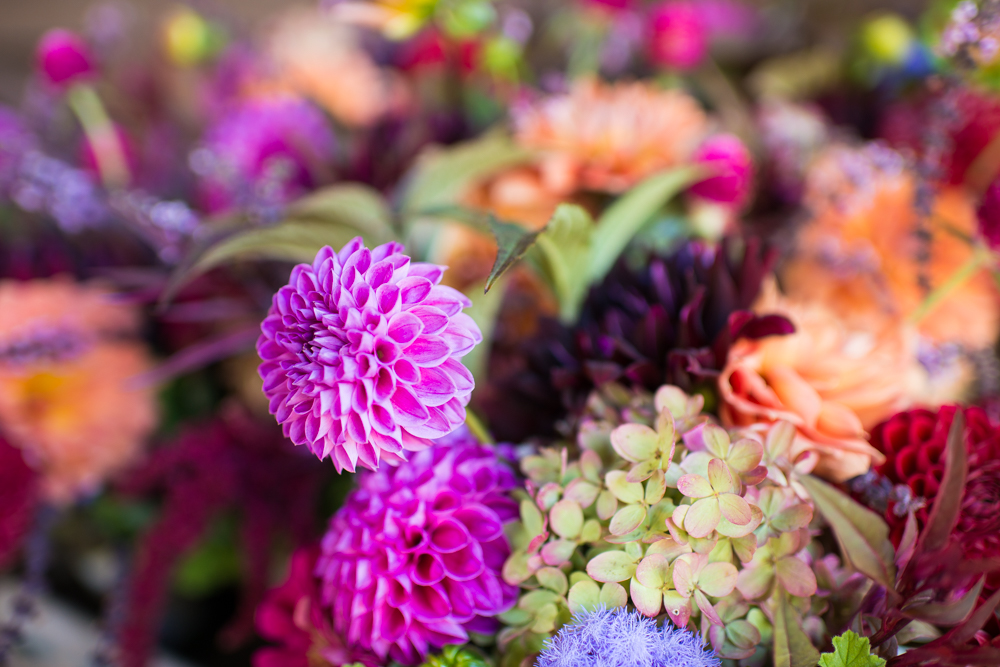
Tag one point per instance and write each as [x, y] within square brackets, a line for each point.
[101, 134]
[964, 273]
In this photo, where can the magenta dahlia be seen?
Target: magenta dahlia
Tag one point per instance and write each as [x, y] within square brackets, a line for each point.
[413, 558]
[360, 355]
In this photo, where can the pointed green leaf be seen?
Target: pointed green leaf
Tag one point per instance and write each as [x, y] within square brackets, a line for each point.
[948, 501]
[850, 650]
[862, 534]
[513, 241]
[792, 647]
[630, 213]
[566, 246]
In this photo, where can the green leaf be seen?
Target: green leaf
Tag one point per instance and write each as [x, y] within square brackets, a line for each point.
[565, 244]
[513, 241]
[948, 501]
[331, 216]
[611, 566]
[850, 650]
[862, 534]
[792, 647]
[441, 177]
[630, 213]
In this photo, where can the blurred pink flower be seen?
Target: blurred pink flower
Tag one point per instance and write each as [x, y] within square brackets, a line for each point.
[413, 558]
[64, 58]
[360, 355]
[732, 168]
[18, 496]
[678, 35]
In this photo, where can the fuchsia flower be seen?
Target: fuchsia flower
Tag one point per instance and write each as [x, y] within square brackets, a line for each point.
[678, 36]
[64, 58]
[732, 168]
[413, 558]
[361, 355]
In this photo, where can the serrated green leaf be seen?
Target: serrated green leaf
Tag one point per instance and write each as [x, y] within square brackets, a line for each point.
[513, 241]
[792, 647]
[850, 650]
[862, 534]
[630, 213]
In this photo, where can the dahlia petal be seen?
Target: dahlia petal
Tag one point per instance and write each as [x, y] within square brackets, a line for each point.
[414, 289]
[426, 351]
[379, 274]
[449, 536]
[459, 374]
[429, 603]
[427, 569]
[386, 250]
[409, 411]
[433, 319]
[464, 564]
[388, 298]
[448, 299]
[435, 387]
[385, 385]
[481, 522]
[368, 455]
[352, 246]
[431, 272]
[404, 327]
[406, 371]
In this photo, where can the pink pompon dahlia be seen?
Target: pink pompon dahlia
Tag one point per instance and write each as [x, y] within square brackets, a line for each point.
[360, 355]
[413, 558]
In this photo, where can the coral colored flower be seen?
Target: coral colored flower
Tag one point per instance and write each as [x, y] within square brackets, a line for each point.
[413, 558]
[291, 616]
[678, 35]
[265, 150]
[732, 169]
[321, 58]
[66, 393]
[361, 355]
[18, 496]
[832, 378]
[610, 136]
[606, 638]
[867, 231]
[64, 58]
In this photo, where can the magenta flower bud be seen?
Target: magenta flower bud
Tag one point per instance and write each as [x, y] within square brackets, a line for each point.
[678, 36]
[64, 57]
[360, 355]
[732, 170]
[989, 216]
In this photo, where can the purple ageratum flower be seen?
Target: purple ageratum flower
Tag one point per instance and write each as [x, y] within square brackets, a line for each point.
[413, 558]
[732, 168]
[360, 355]
[64, 58]
[263, 151]
[621, 638]
[16, 140]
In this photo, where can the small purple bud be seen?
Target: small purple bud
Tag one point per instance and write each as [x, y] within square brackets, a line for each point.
[733, 170]
[678, 35]
[64, 58]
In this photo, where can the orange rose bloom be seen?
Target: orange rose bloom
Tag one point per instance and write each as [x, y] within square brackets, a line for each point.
[865, 233]
[66, 398]
[608, 137]
[832, 379]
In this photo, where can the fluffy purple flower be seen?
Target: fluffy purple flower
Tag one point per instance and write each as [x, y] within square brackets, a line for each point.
[15, 141]
[621, 638]
[266, 151]
[64, 58]
[413, 558]
[361, 353]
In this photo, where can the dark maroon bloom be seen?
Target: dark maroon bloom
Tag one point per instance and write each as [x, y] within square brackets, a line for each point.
[672, 320]
[64, 58]
[989, 216]
[18, 496]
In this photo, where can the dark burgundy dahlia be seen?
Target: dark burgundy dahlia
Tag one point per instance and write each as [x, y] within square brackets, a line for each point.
[914, 444]
[669, 320]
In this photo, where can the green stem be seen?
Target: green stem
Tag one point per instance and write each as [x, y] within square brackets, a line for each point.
[101, 135]
[979, 259]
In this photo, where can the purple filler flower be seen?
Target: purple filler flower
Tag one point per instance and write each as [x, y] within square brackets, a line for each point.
[413, 558]
[361, 355]
[621, 638]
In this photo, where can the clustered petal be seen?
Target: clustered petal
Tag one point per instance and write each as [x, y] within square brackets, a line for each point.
[621, 638]
[361, 355]
[413, 558]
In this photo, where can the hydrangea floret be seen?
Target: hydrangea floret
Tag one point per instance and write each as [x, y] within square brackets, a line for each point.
[662, 511]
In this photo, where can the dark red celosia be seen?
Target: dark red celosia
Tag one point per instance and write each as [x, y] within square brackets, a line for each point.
[988, 216]
[914, 444]
[234, 463]
[17, 500]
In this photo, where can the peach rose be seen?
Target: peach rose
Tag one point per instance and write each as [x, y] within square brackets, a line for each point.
[67, 362]
[832, 379]
[608, 137]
